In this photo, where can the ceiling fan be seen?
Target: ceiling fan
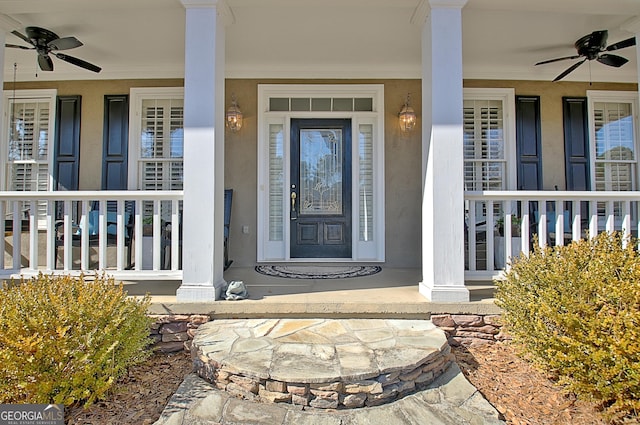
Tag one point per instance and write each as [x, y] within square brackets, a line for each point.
[593, 46]
[46, 42]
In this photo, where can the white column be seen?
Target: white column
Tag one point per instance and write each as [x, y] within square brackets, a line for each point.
[203, 220]
[442, 157]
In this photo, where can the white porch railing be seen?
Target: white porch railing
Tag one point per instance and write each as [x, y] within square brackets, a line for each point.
[125, 233]
[502, 224]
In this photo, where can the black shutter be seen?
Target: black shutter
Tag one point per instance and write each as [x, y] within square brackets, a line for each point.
[576, 143]
[66, 163]
[528, 143]
[115, 142]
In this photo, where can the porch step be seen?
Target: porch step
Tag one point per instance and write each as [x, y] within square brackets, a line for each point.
[325, 371]
[321, 363]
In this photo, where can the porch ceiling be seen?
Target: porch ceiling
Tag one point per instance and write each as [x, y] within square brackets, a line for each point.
[322, 39]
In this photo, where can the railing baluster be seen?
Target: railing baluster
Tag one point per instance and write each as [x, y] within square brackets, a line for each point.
[542, 223]
[626, 221]
[491, 265]
[175, 234]
[576, 228]
[50, 256]
[33, 235]
[525, 227]
[120, 235]
[138, 234]
[507, 239]
[559, 224]
[471, 236]
[17, 235]
[68, 236]
[102, 235]
[611, 219]
[593, 219]
[156, 234]
[84, 236]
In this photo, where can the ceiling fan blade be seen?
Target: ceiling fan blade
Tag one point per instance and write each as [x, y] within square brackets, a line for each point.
[15, 46]
[23, 37]
[569, 70]
[64, 43]
[622, 44]
[78, 62]
[612, 60]
[558, 59]
[45, 62]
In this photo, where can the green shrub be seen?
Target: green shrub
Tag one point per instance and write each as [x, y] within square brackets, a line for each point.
[66, 339]
[576, 311]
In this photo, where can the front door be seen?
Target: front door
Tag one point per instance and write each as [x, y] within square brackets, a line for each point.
[320, 189]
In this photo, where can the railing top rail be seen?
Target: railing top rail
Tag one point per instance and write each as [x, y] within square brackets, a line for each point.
[93, 195]
[551, 195]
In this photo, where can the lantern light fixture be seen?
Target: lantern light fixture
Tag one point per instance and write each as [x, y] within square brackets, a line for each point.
[234, 115]
[406, 116]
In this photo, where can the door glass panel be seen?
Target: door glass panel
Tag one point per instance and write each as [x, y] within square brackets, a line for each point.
[276, 182]
[321, 152]
[366, 182]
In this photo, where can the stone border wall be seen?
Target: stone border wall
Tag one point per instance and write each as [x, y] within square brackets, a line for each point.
[344, 394]
[174, 332]
[470, 330]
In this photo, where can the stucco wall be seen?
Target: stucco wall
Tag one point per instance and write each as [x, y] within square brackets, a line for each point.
[402, 152]
[551, 94]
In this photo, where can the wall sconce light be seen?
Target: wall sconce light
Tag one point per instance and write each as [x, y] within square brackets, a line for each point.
[407, 117]
[234, 115]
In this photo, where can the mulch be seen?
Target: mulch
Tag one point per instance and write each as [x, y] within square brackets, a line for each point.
[521, 394]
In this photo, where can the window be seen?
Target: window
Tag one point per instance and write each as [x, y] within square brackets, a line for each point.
[156, 141]
[613, 134]
[27, 153]
[614, 143]
[489, 141]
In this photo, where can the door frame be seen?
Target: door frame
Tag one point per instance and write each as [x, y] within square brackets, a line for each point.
[277, 249]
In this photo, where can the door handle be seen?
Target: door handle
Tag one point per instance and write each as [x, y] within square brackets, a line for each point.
[293, 215]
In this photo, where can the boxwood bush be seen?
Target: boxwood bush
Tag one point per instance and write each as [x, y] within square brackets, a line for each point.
[67, 339]
[576, 312]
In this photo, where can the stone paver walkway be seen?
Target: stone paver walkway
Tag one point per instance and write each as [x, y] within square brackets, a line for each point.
[325, 371]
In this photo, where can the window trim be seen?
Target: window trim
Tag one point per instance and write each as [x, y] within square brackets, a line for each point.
[607, 96]
[508, 98]
[35, 94]
[137, 95]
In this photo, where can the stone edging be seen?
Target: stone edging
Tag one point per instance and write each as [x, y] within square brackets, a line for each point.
[470, 330]
[375, 391]
[174, 332]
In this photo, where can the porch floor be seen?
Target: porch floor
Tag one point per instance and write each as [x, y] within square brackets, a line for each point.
[392, 293]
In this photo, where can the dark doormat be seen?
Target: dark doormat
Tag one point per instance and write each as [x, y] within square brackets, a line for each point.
[318, 272]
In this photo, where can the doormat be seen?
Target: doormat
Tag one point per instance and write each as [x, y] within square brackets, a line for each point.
[318, 272]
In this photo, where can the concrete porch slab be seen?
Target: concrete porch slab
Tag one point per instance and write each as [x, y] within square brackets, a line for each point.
[392, 293]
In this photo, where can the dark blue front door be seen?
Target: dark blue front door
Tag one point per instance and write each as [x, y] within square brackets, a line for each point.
[320, 188]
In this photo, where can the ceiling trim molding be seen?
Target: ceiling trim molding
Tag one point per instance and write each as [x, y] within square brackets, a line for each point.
[632, 25]
[8, 24]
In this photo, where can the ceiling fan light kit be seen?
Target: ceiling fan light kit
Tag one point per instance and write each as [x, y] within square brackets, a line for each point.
[46, 43]
[594, 46]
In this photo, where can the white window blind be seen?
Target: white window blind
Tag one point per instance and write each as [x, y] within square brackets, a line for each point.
[276, 182]
[615, 157]
[28, 146]
[366, 225]
[161, 144]
[484, 145]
